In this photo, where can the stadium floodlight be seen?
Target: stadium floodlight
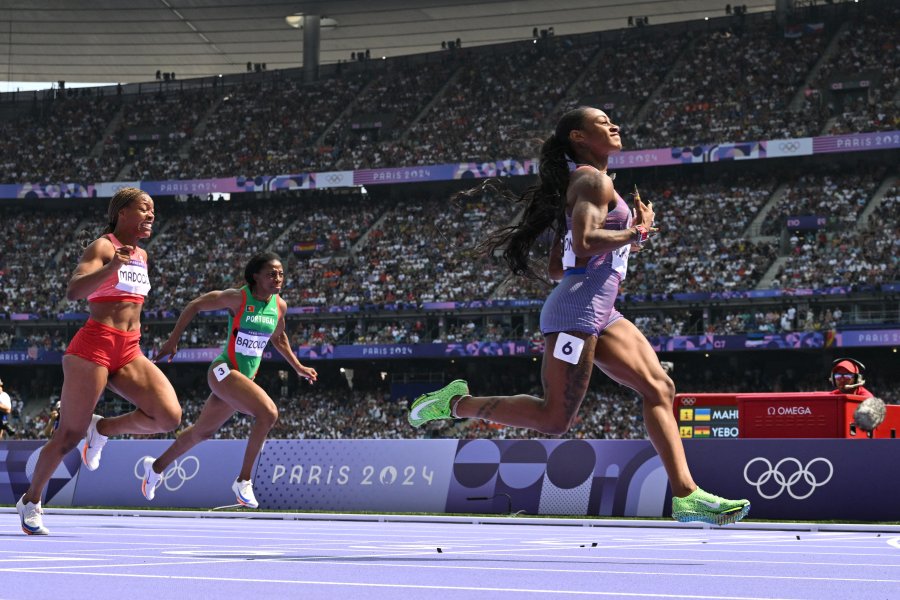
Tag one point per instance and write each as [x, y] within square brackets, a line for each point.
[296, 21]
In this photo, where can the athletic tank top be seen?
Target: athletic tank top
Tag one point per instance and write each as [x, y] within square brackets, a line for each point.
[617, 219]
[249, 331]
[129, 284]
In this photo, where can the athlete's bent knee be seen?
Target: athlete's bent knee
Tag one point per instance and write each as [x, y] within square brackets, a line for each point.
[167, 419]
[663, 392]
[201, 435]
[67, 440]
[557, 425]
[268, 416]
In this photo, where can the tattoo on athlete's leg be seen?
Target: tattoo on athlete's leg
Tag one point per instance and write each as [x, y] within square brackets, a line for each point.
[576, 385]
[487, 410]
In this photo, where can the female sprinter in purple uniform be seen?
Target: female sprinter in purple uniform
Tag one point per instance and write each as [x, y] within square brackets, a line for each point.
[594, 234]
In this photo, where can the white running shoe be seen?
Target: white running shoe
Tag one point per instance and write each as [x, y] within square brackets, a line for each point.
[30, 517]
[93, 445]
[151, 480]
[244, 492]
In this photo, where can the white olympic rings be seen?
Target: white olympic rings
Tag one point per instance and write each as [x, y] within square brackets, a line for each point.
[176, 475]
[787, 482]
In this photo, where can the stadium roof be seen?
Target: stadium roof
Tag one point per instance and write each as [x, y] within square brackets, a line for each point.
[129, 40]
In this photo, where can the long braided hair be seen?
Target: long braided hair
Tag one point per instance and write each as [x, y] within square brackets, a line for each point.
[545, 202]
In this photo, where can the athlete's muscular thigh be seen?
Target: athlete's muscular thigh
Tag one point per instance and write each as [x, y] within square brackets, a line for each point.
[143, 384]
[566, 371]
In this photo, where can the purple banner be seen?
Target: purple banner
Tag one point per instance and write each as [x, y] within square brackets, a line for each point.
[201, 478]
[499, 168]
[801, 479]
[31, 356]
[390, 351]
[708, 342]
[883, 140]
[681, 343]
[687, 154]
[868, 337]
[645, 158]
[47, 190]
[783, 478]
[17, 461]
[558, 477]
[508, 348]
[302, 181]
[342, 475]
[403, 175]
[229, 185]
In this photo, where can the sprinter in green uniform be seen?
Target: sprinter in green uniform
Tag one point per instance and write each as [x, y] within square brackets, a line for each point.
[256, 317]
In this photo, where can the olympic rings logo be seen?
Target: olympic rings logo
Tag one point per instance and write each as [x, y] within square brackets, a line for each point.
[176, 475]
[785, 480]
[688, 401]
[334, 178]
[788, 146]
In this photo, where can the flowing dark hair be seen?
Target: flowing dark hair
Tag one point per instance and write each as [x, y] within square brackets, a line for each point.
[545, 202]
[255, 265]
[122, 198]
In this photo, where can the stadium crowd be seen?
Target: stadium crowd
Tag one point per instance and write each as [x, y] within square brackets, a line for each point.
[356, 251]
[336, 411]
[483, 104]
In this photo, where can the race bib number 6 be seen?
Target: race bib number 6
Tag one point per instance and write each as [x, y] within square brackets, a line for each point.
[568, 348]
[221, 371]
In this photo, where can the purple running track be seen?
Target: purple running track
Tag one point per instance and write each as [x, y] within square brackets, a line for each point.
[109, 557]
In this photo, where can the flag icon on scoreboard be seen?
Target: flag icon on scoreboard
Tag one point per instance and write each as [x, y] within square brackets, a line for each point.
[702, 414]
[701, 431]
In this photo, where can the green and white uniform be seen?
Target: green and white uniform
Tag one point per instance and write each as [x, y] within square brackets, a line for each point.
[249, 331]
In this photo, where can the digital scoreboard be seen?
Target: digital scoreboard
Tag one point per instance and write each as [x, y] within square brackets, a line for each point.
[707, 415]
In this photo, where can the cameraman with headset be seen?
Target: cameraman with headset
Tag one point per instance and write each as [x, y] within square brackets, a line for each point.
[847, 377]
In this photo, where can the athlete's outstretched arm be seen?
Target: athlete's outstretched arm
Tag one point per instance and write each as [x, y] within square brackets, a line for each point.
[217, 300]
[281, 342]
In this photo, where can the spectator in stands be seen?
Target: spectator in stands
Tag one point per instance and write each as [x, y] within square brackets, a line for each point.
[112, 275]
[593, 233]
[257, 315]
[52, 421]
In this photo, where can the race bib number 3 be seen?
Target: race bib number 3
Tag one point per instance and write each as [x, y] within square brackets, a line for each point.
[221, 371]
[568, 348]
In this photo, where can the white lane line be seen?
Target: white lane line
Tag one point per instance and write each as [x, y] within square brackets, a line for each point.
[441, 588]
[355, 561]
[45, 559]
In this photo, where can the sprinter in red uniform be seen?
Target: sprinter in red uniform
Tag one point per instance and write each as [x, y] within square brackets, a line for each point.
[112, 276]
